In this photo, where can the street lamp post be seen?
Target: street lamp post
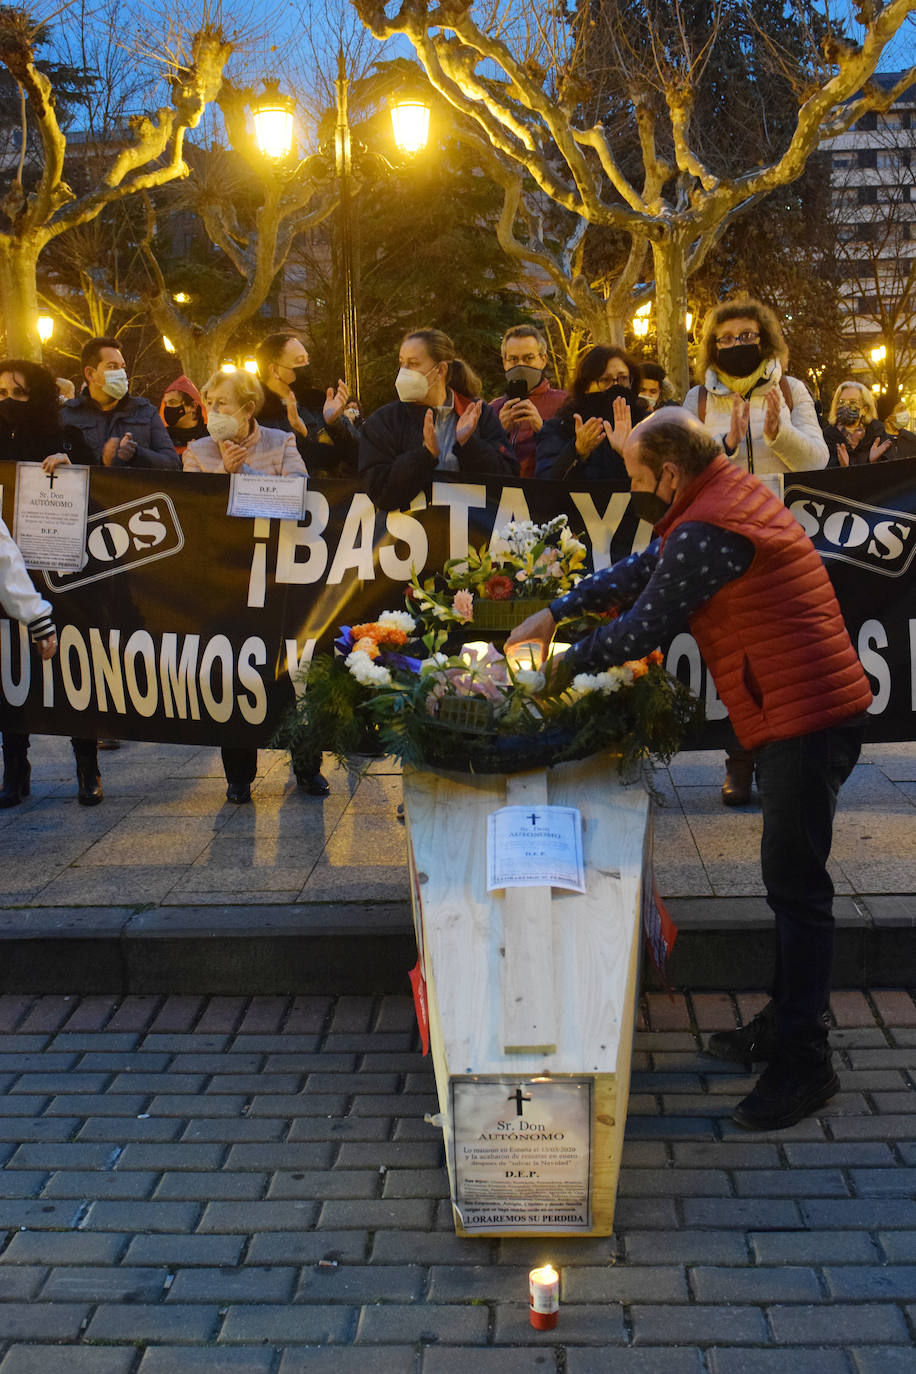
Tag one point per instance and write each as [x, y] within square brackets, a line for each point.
[272, 114]
[343, 165]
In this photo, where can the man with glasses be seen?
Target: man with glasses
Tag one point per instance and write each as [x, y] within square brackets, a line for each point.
[529, 398]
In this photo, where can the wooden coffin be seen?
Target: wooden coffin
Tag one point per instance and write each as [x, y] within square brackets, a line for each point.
[531, 996]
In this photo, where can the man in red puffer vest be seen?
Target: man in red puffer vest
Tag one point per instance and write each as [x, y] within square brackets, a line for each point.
[732, 563]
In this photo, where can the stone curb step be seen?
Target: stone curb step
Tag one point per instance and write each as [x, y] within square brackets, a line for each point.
[368, 948]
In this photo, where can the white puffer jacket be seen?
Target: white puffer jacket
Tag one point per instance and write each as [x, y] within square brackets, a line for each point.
[799, 444]
[17, 595]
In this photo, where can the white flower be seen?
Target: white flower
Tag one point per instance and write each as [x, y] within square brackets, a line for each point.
[367, 673]
[529, 679]
[432, 664]
[398, 620]
[611, 680]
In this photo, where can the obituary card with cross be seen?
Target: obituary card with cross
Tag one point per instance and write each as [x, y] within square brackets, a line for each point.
[49, 523]
[522, 1150]
[535, 846]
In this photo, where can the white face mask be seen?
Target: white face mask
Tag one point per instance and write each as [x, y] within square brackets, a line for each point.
[114, 383]
[412, 385]
[901, 418]
[651, 401]
[221, 427]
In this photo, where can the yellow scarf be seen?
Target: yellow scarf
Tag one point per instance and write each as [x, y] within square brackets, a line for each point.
[744, 385]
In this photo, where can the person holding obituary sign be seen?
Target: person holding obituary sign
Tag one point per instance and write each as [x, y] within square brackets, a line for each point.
[32, 430]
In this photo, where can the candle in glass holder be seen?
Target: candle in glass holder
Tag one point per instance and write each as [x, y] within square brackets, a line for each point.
[543, 1297]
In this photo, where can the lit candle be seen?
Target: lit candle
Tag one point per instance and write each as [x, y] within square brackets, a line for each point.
[543, 1297]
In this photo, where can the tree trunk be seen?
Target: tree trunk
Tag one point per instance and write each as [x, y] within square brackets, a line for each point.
[19, 298]
[670, 264]
[199, 358]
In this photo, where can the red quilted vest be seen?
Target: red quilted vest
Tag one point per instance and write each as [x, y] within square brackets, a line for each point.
[774, 639]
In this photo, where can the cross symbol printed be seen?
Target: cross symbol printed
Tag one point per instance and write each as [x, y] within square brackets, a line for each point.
[52, 478]
[533, 818]
[519, 1097]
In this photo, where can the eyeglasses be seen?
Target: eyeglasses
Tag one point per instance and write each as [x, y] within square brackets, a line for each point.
[621, 379]
[746, 337]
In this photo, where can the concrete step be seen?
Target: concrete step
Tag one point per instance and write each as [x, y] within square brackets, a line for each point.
[368, 948]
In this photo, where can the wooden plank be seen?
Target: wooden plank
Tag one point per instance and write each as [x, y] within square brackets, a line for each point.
[528, 1001]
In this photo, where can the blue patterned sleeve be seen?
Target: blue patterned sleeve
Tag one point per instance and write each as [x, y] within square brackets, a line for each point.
[695, 563]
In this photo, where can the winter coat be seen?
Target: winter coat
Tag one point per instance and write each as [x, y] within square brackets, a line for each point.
[557, 456]
[799, 444]
[269, 451]
[395, 465]
[329, 450]
[18, 597]
[859, 454]
[521, 437]
[774, 638]
[132, 415]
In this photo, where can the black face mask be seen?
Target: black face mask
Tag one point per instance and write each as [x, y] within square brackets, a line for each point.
[601, 403]
[13, 412]
[301, 385]
[648, 505]
[172, 414]
[740, 360]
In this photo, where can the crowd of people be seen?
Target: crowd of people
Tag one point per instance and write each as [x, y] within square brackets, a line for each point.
[277, 421]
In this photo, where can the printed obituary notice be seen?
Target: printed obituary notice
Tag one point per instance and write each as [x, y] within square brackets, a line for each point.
[276, 498]
[521, 1151]
[535, 846]
[49, 522]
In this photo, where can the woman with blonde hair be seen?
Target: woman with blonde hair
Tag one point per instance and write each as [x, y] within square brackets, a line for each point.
[765, 419]
[437, 424]
[236, 442]
[854, 432]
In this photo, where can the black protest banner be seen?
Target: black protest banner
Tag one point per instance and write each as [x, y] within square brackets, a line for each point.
[189, 626]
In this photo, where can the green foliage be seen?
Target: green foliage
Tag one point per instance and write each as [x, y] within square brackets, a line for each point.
[649, 718]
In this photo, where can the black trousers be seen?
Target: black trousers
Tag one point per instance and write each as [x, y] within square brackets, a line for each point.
[16, 746]
[799, 780]
[241, 765]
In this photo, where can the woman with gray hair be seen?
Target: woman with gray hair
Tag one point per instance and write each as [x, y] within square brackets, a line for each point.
[236, 442]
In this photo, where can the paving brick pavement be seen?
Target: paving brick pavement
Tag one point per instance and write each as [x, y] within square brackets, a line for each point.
[247, 1186]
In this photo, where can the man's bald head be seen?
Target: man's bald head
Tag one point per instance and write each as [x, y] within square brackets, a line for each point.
[672, 435]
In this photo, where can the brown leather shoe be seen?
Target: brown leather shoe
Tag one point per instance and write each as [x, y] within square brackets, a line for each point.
[739, 776]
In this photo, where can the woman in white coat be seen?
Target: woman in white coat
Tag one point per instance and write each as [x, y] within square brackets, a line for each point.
[766, 421]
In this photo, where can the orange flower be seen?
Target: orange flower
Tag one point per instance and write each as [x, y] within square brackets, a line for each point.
[656, 657]
[368, 646]
[637, 666]
[387, 635]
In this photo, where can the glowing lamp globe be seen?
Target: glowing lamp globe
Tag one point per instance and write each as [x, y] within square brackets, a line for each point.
[167, 344]
[45, 326]
[272, 115]
[227, 367]
[251, 365]
[410, 122]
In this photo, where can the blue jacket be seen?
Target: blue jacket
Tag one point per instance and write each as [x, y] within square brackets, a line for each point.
[132, 415]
